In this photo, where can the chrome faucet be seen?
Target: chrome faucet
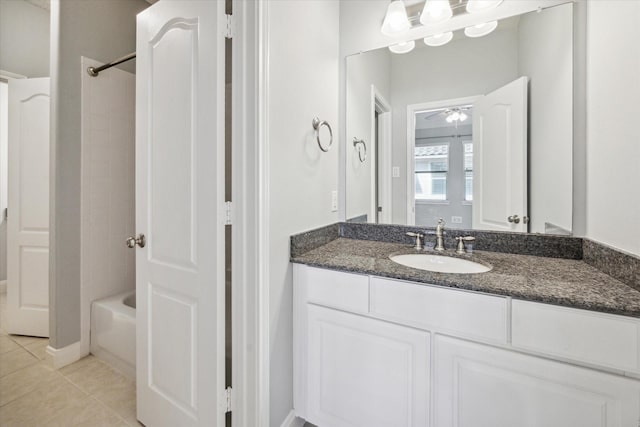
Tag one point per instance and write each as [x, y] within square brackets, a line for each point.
[439, 236]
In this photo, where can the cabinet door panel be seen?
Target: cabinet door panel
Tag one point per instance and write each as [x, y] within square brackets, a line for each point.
[481, 386]
[365, 372]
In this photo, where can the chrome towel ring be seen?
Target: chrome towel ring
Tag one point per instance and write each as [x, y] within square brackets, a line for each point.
[362, 153]
[317, 123]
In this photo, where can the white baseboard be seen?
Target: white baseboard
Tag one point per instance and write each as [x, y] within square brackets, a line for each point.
[3, 286]
[66, 355]
[292, 421]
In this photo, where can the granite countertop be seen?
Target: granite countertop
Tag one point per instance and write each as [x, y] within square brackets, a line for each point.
[565, 282]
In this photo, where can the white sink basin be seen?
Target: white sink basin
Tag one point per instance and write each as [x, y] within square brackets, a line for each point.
[439, 264]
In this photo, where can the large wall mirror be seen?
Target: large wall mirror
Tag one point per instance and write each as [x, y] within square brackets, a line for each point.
[478, 131]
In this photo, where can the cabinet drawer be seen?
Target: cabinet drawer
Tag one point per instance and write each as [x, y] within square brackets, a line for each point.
[336, 289]
[435, 308]
[586, 336]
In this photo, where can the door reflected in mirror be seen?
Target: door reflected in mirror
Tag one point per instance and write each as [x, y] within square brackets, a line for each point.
[442, 140]
[443, 166]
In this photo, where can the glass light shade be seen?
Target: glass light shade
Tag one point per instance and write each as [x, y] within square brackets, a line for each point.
[475, 6]
[463, 117]
[395, 21]
[403, 47]
[455, 115]
[438, 39]
[481, 29]
[449, 119]
[436, 12]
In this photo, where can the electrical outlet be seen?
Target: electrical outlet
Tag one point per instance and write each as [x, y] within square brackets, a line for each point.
[395, 172]
[456, 220]
[334, 201]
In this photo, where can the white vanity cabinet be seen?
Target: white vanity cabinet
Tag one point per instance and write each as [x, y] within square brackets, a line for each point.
[365, 372]
[482, 386]
[371, 351]
[352, 370]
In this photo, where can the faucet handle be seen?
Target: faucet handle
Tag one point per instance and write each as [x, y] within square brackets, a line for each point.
[461, 248]
[418, 237]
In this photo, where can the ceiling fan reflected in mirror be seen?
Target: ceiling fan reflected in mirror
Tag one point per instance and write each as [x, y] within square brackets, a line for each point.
[450, 115]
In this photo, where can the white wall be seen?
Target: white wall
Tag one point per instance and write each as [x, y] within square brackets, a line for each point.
[104, 30]
[24, 38]
[4, 144]
[302, 84]
[463, 68]
[108, 187]
[613, 147]
[545, 46]
[363, 70]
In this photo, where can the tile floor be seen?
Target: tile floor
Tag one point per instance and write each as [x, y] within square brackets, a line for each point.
[85, 393]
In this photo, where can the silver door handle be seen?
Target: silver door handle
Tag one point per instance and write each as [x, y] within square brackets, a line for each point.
[139, 240]
[514, 218]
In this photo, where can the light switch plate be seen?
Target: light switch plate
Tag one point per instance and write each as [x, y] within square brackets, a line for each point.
[395, 172]
[456, 220]
[334, 201]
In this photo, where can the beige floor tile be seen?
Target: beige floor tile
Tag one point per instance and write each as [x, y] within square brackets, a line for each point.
[44, 403]
[97, 376]
[121, 398]
[14, 360]
[87, 412]
[87, 393]
[7, 344]
[85, 361]
[25, 380]
[38, 348]
[25, 339]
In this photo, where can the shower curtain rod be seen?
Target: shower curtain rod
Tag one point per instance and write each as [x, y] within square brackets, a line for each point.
[94, 71]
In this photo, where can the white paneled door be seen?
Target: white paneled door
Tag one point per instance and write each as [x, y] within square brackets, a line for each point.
[179, 200]
[500, 159]
[28, 208]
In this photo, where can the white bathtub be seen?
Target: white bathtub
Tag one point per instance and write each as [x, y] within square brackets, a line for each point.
[113, 331]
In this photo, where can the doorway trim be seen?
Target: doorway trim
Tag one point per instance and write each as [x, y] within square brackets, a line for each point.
[250, 230]
[412, 109]
[381, 106]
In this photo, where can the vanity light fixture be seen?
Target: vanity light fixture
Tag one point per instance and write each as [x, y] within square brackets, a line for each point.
[475, 6]
[481, 29]
[435, 12]
[403, 47]
[438, 39]
[395, 21]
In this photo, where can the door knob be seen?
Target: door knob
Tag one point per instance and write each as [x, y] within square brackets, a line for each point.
[139, 240]
[514, 218]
